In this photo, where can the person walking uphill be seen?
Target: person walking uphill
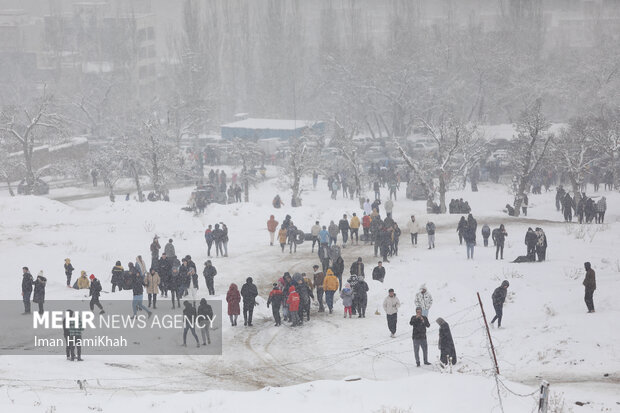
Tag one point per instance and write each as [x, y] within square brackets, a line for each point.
[275, 300]
[391, 304]
[209, 273]
[355, 227]
[233, 298]
[272, 225]
[446, 344]
[498, 297]
[430, 232]
[318, 279]
[27, 282]
[95, 293]
[189, 322]
[590, 285]
[330, 286]
[138, 293]
[499, 238]
[346, 294]
[420, 324]
[249, 293]
[68, 271]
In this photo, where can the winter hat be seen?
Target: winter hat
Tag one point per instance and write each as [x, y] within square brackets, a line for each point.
[82, 272]
[118, 263]
[92, 276]
[248, 280]
[40, 273]
[587, 265]
[423, 287]
[330, 272]
[275, 285]
[418, 308]
[505, 283]
[291, 289]
[440, 321]
[155, 237]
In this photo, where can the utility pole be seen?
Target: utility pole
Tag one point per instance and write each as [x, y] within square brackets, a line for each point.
[488, 334]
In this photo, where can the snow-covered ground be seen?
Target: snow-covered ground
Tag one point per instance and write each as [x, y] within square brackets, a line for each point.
[547, 333]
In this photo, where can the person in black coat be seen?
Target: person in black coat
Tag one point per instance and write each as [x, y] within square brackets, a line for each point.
[117, 276]
[249, 293]
[305, 296]
[165, 272]
[205, 315]
[275, 300]
[189, 322]
[498, 297]
[530, 241]
[420, 324]
[446, 344]
[499, 237]
[184, 279]
[378, 273]
[27, 282]
[343, 226]
[209, 273]
[460, 229]
[338, 269]
[39, 291]
[95, 291]
[360, 292]
[357, 267]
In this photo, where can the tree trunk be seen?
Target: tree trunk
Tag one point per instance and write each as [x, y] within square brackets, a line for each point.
[30, 179]
[8, 184]
[137, 180]
[246, 190]
[613, 169]
[295, 201]
[442, 192]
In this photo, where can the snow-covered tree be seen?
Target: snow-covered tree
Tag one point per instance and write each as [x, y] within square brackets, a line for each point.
[157, 154]
[348, 150]
[456, 147]
[302, 160]
[606, 132]
[249, 155]
[574, 150]
[109, 161]
[528, 149]
[29, 126]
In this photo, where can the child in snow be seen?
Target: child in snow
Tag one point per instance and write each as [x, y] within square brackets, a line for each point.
[347, 299]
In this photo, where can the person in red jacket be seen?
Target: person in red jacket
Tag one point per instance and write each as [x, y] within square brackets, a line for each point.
[366, 227]
[293, 305]
[233, 298]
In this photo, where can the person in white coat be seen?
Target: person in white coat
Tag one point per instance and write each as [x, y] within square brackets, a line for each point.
[424, 300]
[391, 304]
[414, 227]
[367, 207]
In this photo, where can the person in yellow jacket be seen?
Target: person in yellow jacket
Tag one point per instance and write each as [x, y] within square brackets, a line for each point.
[83, 282]
[282, 237]
[355, 227]
[330, 286]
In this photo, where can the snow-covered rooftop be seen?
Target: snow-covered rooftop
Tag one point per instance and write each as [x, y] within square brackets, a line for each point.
[279, 124]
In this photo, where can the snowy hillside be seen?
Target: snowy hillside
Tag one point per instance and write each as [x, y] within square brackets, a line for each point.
[546, 332]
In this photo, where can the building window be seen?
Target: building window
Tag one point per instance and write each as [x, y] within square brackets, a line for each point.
[151, 33]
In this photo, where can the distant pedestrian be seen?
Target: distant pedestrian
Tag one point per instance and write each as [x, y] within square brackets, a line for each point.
[499, 297]
[590, 285]
[233, 298]
[275, 300]
[391, 304]
[424, 300]
[272, 226]
[486, 232]
[330, 286]
[446, 344]
[430, 232]
[414, 228]
[68, 271]
[420, 324]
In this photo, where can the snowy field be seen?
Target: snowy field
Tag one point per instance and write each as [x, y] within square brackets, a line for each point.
[546, 332]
